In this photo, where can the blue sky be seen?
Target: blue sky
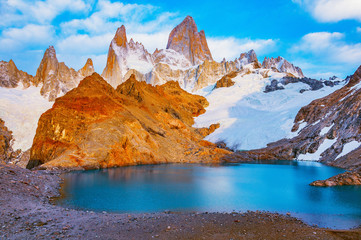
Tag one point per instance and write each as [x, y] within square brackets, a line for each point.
[323, 37]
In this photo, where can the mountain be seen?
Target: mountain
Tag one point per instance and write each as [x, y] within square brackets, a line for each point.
[186, 60]
[253, 103]
[53, 77]
[192, 44]
[97, 126]
[124, 56]
[11, 76]
[56, 78]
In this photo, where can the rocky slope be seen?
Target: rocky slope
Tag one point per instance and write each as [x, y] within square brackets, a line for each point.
[96, 126]
[186, 40]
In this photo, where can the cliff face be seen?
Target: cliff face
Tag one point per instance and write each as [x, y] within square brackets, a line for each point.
[96, 126]
[186, 40]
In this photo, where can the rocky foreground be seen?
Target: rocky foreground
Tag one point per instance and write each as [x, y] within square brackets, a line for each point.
[27, 213]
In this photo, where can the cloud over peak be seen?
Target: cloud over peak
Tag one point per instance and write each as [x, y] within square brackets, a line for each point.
[329, 46]
[332, 10]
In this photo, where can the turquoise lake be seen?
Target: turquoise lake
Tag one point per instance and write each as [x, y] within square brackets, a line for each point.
[278, 187]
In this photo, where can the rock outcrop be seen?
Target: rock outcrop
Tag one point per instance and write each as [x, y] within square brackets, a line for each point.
[247, 58]
[88, 68]
[6, 151]
[282, 65]
[56, 78]
[96, 126]
[226, 81]
[313, 84]
[186, 39]
[11, 76]
[346, 178]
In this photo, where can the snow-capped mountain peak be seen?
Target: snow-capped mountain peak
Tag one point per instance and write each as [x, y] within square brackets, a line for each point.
[124, 56]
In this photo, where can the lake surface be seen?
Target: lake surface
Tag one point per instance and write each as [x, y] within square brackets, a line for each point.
[278, 187]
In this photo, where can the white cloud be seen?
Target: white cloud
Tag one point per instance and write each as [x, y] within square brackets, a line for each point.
[16, 12]
[332, 10]
[316, 69]
[231, 47]
[31, 34]
[329, 47]
[151, 41]
[358, 29]
[85, 44]
[92, 35]
[108, 16]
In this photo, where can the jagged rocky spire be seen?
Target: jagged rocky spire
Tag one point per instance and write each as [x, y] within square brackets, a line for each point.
[186, 40]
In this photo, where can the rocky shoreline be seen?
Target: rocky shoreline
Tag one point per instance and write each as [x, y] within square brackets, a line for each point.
[28, 213]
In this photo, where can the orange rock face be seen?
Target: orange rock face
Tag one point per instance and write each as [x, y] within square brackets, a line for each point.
[96, 126]
[186, 40]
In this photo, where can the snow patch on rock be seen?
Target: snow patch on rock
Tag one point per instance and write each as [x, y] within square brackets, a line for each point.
[349, 147]
[327, 143]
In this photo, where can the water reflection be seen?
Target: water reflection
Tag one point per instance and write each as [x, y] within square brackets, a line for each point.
[281, 186]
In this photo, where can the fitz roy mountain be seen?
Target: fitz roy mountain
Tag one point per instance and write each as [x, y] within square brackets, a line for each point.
[178, 98]
[186, 60]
